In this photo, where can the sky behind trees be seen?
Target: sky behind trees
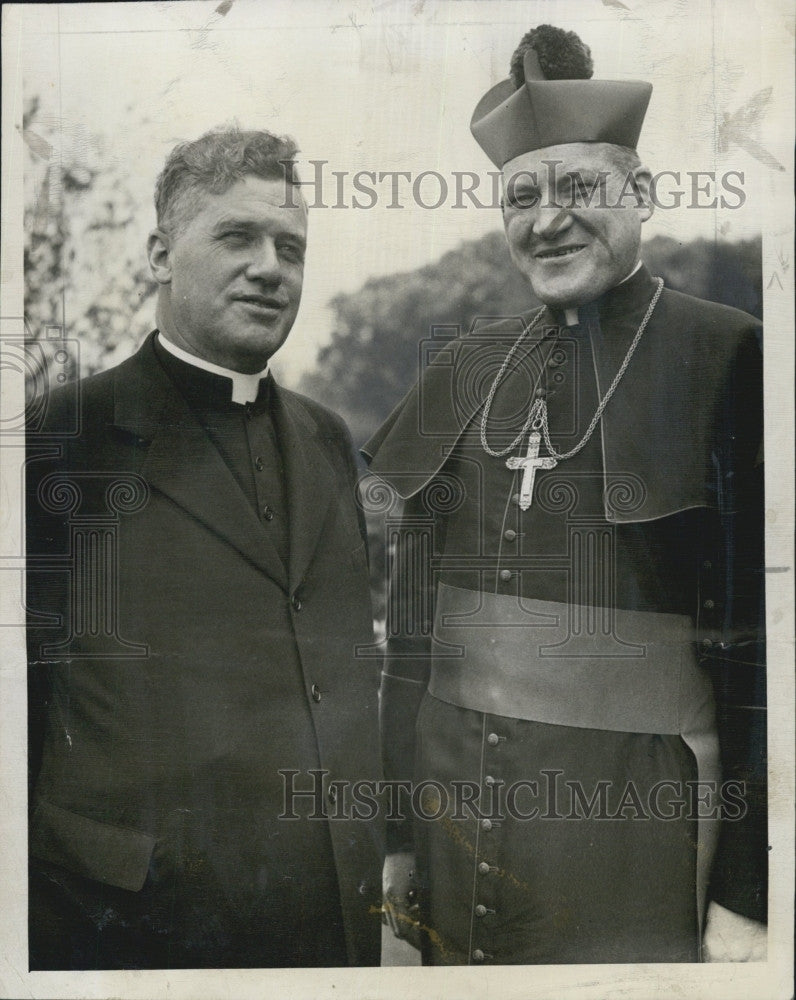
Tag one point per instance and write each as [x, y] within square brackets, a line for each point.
[383, 88]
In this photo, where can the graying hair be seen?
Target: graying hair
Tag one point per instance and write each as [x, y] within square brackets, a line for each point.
[213, 163]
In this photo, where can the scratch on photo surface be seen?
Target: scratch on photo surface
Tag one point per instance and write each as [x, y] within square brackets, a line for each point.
[433, 936]
[742, 127]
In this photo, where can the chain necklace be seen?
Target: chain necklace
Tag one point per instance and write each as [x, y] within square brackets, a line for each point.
[498, 379]
[537, 420]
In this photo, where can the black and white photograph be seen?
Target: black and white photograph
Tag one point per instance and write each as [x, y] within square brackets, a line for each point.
[391, 576]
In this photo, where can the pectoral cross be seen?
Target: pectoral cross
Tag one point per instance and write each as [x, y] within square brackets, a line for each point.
[529, 465]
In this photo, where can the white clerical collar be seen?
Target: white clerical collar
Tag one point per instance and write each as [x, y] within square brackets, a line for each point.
[571, 314]
[244, 387]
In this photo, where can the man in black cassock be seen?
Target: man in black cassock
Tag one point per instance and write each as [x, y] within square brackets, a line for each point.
[574, 677]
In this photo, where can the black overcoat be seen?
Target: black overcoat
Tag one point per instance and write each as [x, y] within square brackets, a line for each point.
[176, 668]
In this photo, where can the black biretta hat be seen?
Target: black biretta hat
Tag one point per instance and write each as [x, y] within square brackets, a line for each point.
[551, 100]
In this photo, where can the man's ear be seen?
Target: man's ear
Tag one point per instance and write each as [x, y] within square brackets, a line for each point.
[644, 182]
[158, 247]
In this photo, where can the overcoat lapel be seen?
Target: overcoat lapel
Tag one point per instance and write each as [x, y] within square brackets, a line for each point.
[182, 463]
[309, 479]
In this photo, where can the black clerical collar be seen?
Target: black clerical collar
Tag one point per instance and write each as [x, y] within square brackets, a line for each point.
[210, 387]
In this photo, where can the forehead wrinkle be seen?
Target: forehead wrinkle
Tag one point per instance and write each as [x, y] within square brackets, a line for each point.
[587, 173]
[253, 220]
[250, 189]
[567, 157]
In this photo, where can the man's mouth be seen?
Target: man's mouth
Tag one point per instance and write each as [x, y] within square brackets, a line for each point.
[263, 302]
[554, 253]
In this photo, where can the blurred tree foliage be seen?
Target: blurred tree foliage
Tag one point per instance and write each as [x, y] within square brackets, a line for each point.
[86, 278]
[85, 272]
[373, 355]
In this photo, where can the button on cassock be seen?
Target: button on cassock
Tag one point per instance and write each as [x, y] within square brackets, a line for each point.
[295, 603]
[316, 692]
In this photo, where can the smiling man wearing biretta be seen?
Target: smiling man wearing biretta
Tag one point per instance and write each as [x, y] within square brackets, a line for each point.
[576, 668]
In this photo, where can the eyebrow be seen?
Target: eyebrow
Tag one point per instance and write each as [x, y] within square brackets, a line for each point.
[582, 173]
[523, 185]
[522, 180]
[252, 225]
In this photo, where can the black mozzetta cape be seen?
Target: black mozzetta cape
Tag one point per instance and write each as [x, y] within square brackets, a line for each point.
[680, 451]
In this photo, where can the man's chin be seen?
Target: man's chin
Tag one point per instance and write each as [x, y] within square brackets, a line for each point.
[560, 296]
[252, 351]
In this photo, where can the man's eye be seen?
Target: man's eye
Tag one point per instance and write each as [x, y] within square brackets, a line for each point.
[568, 195]
[291, 252]
[523, 198]
[235, 236]
[580, 191]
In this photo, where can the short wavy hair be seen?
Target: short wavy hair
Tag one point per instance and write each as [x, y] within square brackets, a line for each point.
[213, 163]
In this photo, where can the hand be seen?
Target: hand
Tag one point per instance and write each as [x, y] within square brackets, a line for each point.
[729, 937]
[399, 897]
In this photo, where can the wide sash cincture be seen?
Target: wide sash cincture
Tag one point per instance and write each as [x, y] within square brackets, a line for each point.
[585, 667]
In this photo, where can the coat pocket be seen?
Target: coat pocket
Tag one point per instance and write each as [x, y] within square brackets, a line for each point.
[112, 854]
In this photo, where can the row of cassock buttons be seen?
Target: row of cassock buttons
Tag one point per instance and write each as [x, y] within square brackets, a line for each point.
[484, 868]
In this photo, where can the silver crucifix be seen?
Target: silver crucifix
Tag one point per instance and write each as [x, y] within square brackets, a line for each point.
[529, 465]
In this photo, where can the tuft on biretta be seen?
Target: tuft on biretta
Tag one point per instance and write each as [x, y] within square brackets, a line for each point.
[551, 99]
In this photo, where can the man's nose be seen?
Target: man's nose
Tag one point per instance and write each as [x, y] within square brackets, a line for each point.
[550, 220]
[264, 264]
